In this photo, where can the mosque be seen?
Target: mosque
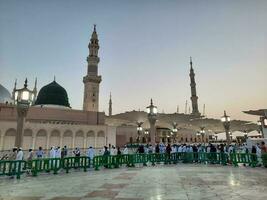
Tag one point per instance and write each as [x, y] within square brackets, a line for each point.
[51, 121]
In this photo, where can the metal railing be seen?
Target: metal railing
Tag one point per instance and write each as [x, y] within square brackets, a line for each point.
[54, 165]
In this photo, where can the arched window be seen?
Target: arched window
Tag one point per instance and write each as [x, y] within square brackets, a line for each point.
[90, 139]
[27, 139]
[79, 137]
[67, 138]
[100, 139]
[55, 138]
[9, 139]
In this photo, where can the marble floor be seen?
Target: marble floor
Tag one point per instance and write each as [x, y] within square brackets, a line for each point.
[167, 182]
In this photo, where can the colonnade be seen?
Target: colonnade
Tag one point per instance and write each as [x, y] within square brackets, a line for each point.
[56, 137]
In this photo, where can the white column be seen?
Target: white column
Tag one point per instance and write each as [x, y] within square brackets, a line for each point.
[61, 140]
[48, 141]
[2, 141]
[73, 141]
[33, 141]
[95, 140]
[84, 142]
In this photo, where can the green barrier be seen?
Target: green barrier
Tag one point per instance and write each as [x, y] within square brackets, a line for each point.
[106, 161]
[68, 163]
[12, 168]
[120, 160]
[243, 158]
[97, 162]
[45, 165]
[16, 168]
[130, 160]
[264, 159]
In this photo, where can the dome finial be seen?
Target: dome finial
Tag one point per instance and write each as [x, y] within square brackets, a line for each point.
[35, 86]
[35, 83]
[151, 101]
[191, 63]
[94, 27]
[54, 78]
[26, 83]
[15, 85]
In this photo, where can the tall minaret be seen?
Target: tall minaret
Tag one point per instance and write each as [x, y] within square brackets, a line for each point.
[194, 96]
[35, 91]
[185, 109]
[92, 80]
[13, 92]
[110, 106]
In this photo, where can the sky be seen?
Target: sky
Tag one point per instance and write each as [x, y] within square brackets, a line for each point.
[144, 51]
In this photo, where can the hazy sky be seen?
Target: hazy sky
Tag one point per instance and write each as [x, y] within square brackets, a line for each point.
[144, 51]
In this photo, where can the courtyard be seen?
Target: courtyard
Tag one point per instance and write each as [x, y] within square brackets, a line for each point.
[168, 182]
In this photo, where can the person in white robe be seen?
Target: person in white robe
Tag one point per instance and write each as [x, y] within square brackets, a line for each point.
[231, 149]
[151, 149]
[190, 149]
[115, 151]
[161, 148]
[184, 148]
[125, 150]
[19, 154]
[58, 152]
[208, 149]
[180, 149]
[258, 153]
[173, 149]
[91, 153]
[52, 153]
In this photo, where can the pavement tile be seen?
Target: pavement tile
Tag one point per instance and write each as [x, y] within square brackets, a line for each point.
[166, 182]
[113, 186]
[103, 193]
[66, 198]
[20, 198]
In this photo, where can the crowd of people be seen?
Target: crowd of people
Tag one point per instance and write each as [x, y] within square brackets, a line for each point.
[57, 152]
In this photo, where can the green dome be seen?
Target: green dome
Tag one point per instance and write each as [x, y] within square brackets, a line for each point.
[52, 94]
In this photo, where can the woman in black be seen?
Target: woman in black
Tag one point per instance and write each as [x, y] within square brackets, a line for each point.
[168, 154]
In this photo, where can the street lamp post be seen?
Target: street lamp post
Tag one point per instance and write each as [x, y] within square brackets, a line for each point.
[152, 118]
[226, 123]
[139, 130]
[231, 136]
[245, 135]
[213, 138]
[260, 128]
[202, 132]
[198, 136]
[146, 132]
[23, 98]
[174, 131]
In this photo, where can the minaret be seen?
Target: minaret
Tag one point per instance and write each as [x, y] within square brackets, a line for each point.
[110, 106]
[35, 91]
[92, 80]
[185, 109]
[194, 96]
[13, 92]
